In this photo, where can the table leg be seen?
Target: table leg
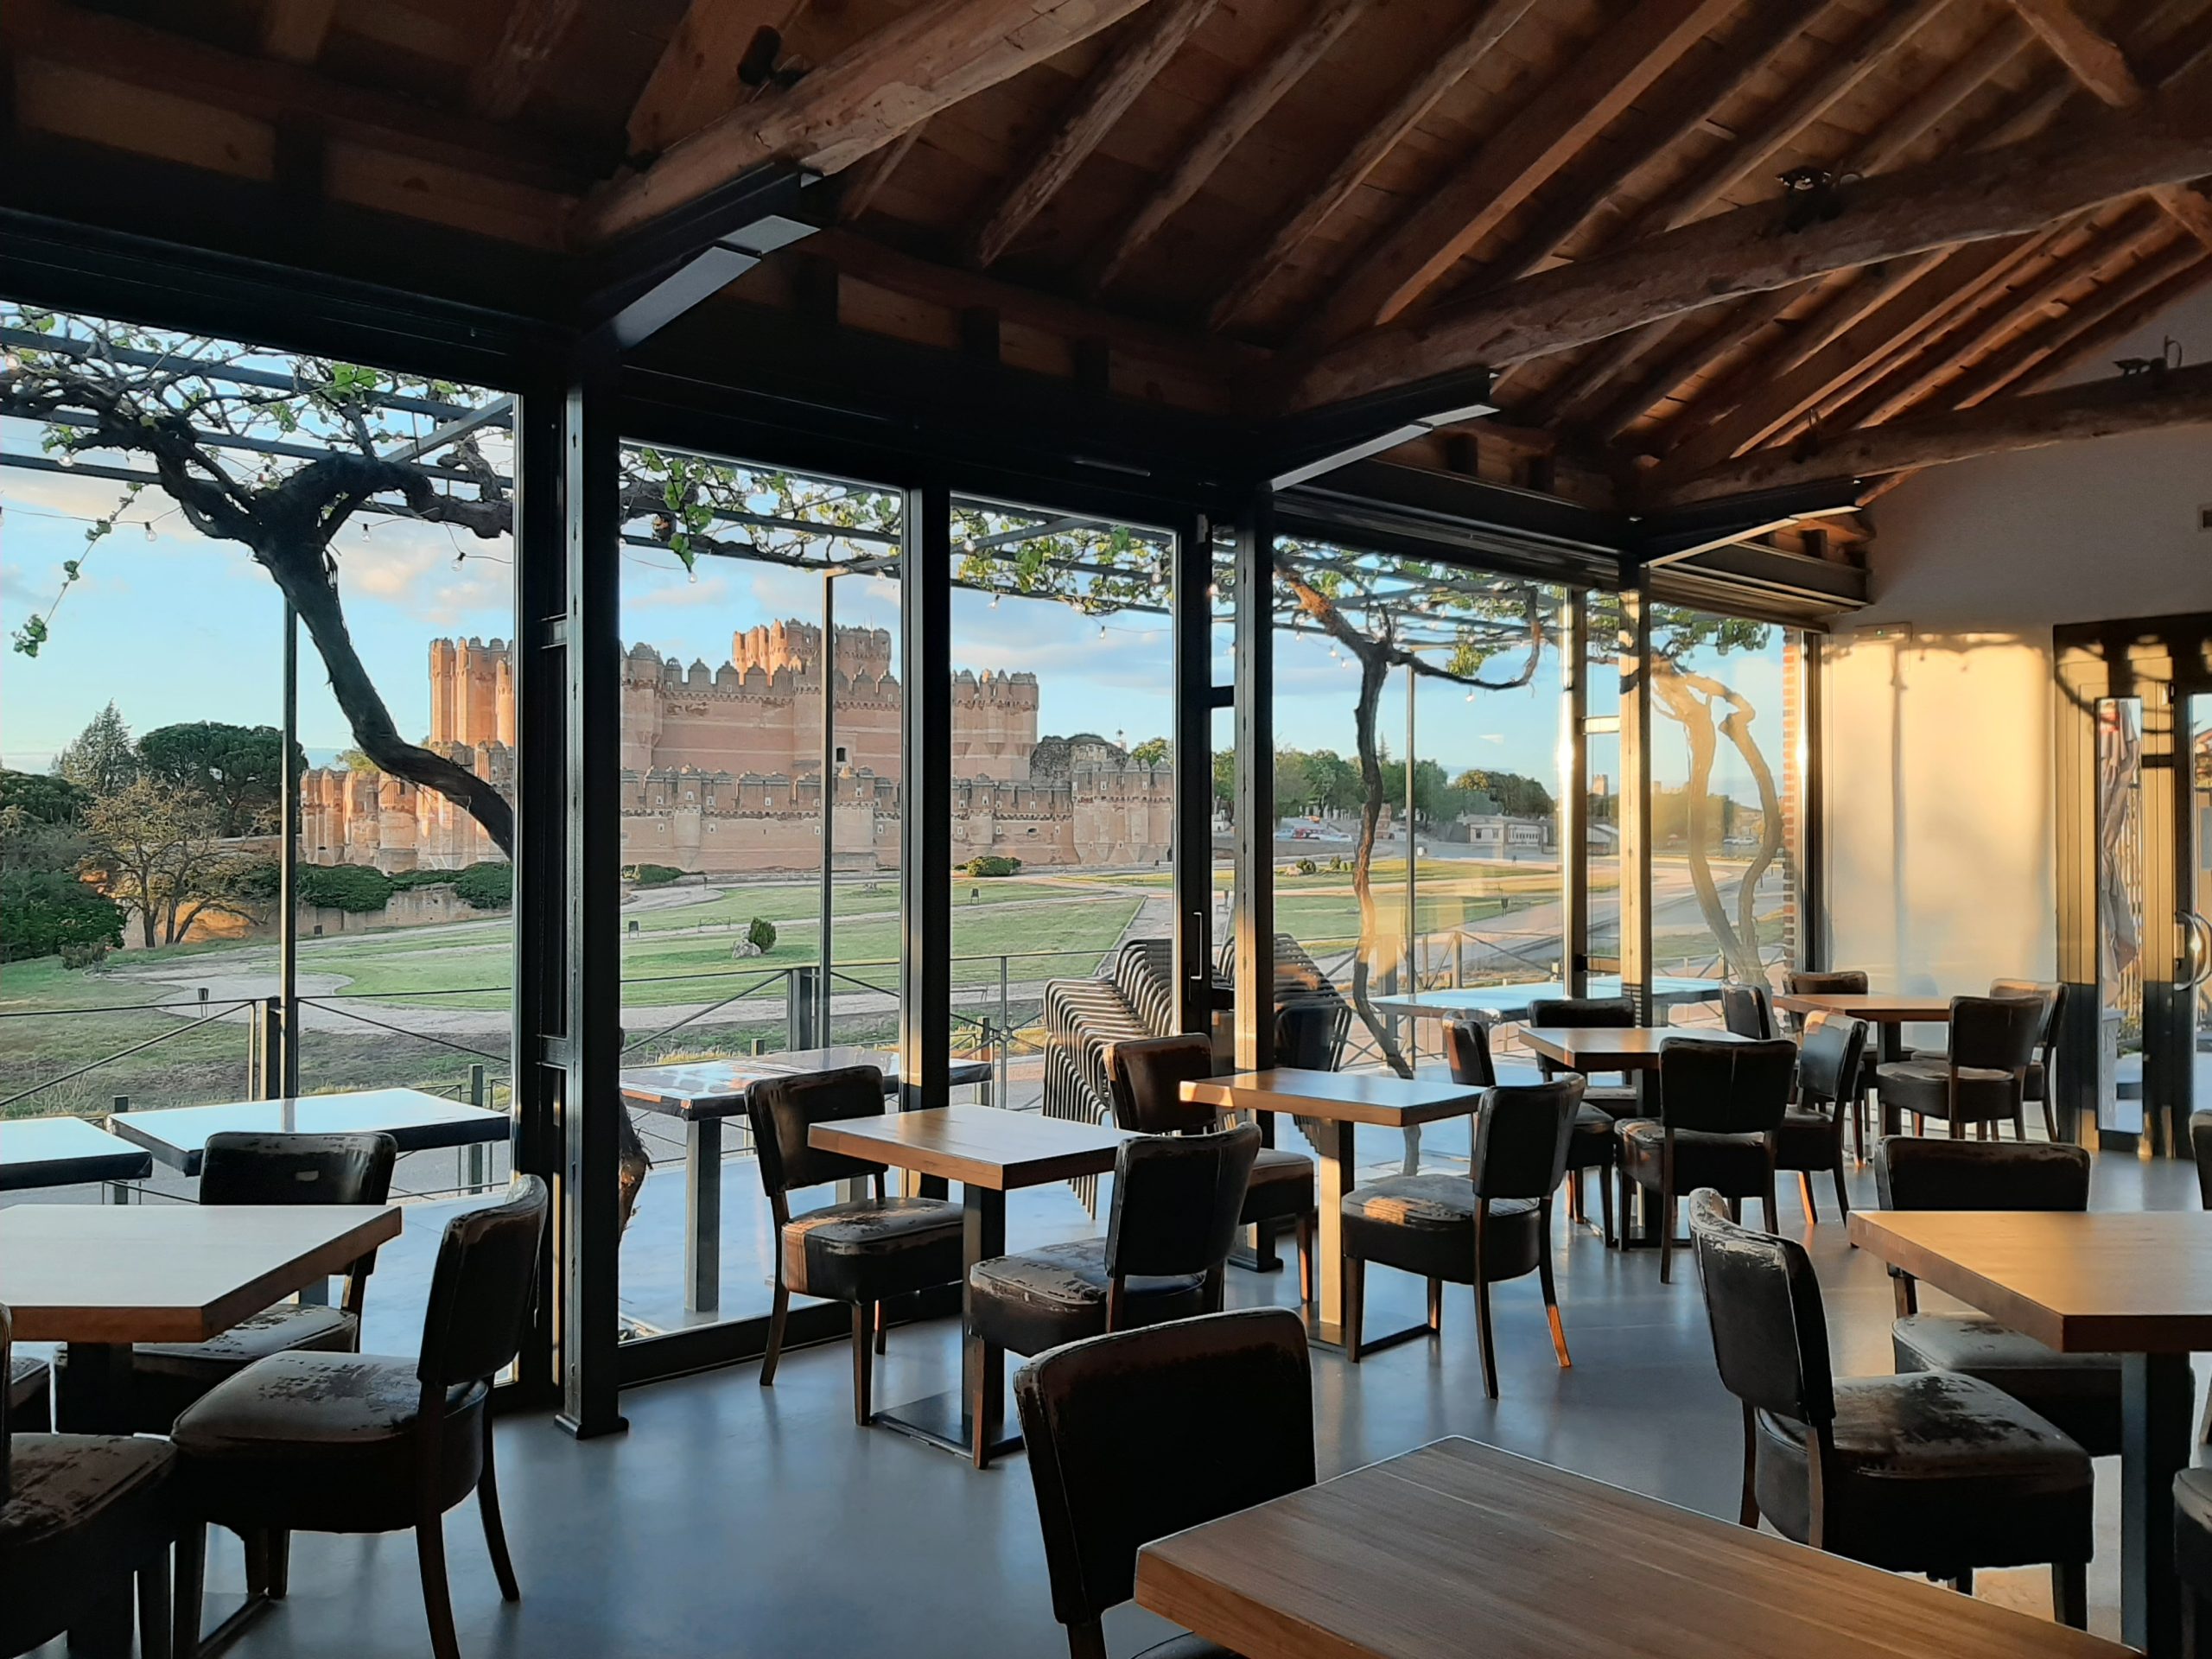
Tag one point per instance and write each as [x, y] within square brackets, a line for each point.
[2159, 1390]
[1338, 1164]
[973, 1421]
[703, 1209]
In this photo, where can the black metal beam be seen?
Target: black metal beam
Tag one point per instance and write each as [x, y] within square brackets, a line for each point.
[1192, 862]
[925, 803]
[1255, 782]
[1304, 446]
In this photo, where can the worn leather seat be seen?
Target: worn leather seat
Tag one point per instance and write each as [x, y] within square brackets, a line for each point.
[1737, 1164]
[1923, 1087]
[1425, 1225]
[1983, 1079]
[1058, 1293]
[319, 1442]
[872, 1248]
[1930, 1472]
[1934, 1472]
[81, 1512]
[167, 1376]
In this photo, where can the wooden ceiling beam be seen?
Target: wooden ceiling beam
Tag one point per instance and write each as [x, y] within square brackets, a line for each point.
[1897, 134]
[1136, 59]
[1981, 197]
[923, 60]
[859, 186]
[534, 30]
[1490, 24]
[1510, 166]
[296, 29]
[2008, 425]
[1284, 68]
[695, 79]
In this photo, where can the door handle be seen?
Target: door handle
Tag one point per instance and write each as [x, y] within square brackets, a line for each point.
[2199, 956]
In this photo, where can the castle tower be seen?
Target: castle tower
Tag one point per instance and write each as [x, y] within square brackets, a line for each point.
[442, 684]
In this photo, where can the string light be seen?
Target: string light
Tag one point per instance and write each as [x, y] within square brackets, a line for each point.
[67, 458]
[149, 531]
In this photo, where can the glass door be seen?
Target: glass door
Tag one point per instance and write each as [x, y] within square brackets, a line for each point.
[2193, 980]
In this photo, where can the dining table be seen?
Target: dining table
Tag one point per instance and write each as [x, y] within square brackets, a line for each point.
[1888, 1012]
[416, 1120]
[989, 1152]
[1332, 1105]
[1458, 1548]
[704, 1095]
[2137, 1284]
[49, 1152]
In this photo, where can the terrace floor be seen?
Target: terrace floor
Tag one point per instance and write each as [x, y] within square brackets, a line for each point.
[733, 1521]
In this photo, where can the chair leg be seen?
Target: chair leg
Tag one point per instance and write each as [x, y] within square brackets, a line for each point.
[1747, 1511]
[1436, 1306]
[863, 1361]
[1805, 1193]
[1773, 1219]
[256, 1545]
[2049, 1118]
[438, 1595]
[104, 1630]
[1482, 1330]
[1964, 1582]
[1666, 1229]
[279, 1547]
[1624, 1212]
[1551, 1294]
[1842, 1194]
[1605, 1201]
[1355, 1270]
[1577, 1205]
[778, 1310]
[190, 1587]
[156, 1605]
[495, 1530]
[882, 1329]
[2069, 1596]
[1859, 1127]
[1306, 1224]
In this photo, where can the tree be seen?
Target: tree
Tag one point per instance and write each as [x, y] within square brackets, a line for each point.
[238, 768]
[1333, 780]
[1515, 796]
[100, 759]
[1225, 778]
[42, 911]
[1153, 751]
[41, 824]
[354, 761]
[163, 858]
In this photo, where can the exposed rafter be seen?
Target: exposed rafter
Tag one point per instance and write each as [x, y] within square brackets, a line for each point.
[1310, 40]
[2102, 409]
[1414, 101]
[296, 29]
[861, 185]
[1999, 192]
[502, 83]
[1124, 73]
[923, 60]
[1627, 58]
[695, 79]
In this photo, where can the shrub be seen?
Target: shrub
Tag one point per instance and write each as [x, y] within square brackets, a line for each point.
[408, 880]
[356, 888]
[652, 875]
[760, 933]
[76, 957]
[1307, 867]
[488, 886]
[43, 911]
[991, 864]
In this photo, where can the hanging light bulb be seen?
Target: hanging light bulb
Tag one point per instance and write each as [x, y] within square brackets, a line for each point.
[149, 530]
[67, 458]
[365, 529]
[10, 363]
[1470, 696]
[1102, 630]
[994, 601]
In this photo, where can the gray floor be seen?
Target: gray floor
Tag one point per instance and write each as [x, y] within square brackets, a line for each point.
[731, 1521]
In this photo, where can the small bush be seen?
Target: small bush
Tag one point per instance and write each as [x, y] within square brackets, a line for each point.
[762, 934]
[991, 864]
[652, 875]
[1307, 867]
[43, 911]
[76, 957]
[488, 886]
[356, 888]
[408, 881]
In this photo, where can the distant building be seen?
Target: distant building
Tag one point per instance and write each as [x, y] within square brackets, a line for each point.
[722, 768]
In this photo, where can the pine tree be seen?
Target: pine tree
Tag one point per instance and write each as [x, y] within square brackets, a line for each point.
[101, 758]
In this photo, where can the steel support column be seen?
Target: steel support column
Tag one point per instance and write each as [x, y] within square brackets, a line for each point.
[1573, 816]
[1255, 783]
[925, 806]
[1636, 789]
[1191, 854]
[286, 1081]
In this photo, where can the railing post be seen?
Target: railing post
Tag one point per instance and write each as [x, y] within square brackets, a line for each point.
[119, 1191]
[799, 1009]
[476, 1150]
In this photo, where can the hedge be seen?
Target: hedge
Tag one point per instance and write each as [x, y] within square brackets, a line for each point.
[42, 913]
[354, 887]
[653, 875]
[992, 865]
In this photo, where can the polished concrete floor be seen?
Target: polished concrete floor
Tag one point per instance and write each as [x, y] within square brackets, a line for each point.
[734, 1521]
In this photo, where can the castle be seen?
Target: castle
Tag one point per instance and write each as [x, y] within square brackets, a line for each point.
[722, 768]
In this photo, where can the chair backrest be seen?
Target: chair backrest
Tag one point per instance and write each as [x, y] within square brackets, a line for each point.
[1745, 1010]
[1521, 1138]
[1997, 1034]
[1126, 1441]
[1555, 1012]
[783, 1110]
[240, 1166]
[1936, 1173]
[2053, 993]
[1828, 1058]
[1726, 1087]
[2200, 1147]
[1770, 1334]
[1146, 1077]
[1306, 1033]
[1466, 1044]
[482, 1287]
[1842, 981]
[1177, 1198]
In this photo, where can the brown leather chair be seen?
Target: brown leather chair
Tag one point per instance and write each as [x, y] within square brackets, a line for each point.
[1811, 1137]
[1145, 1079]
[1983, 1078]
[1493, 1225]
[1591, 1146]
[2043, 1068]
[1931, 1473]
[1176, 1201]
[352, 1443]
[252, 1168]
[1842, 981]
[81, 1516]
[863, 1251]
[1721, 1111]
[1126, 1446]
[1747, 1011]
[2080, 1393]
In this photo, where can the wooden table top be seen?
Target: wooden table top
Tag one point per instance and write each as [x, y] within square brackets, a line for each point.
[1460, 1548]
[1881, 1007]
[64, 1152]
[418, 1122]
[170, 1272]
[701, 1089]
[976, 1146]
[2107, 1282]
[1338, 1097]
[1614, 1048]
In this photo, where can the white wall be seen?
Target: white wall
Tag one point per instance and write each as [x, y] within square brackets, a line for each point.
[1938, 743]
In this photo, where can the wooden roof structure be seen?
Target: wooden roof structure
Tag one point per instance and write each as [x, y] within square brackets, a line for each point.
[1680, 249]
